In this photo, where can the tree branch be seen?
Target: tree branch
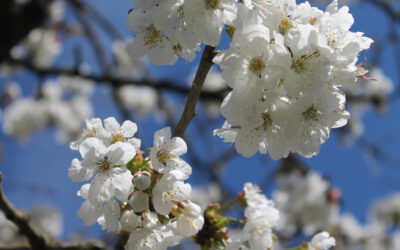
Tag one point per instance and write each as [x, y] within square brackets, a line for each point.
[115, 81]
[97, 46]
[37, 239]
[21, 220]
[194, 94]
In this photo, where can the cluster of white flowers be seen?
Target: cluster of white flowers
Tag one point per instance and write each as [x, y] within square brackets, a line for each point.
[41, 46]
[306, 202]
[387, 211]
[284, 65]
[380, 232]
[64, 103]
[321, 241]
[167, 30]
[144, 196]
[261, 217]
[307, 205]
[141, 99]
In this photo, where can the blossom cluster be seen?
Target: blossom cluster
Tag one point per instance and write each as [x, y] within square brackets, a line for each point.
[172, 29]
[42, 45]
[306, 201]
[307, 204]
[260, 218]
[285, 65]
[147, 197]
[63, 102]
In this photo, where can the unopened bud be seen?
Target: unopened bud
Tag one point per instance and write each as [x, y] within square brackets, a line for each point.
[190, 209]
[142, 180]
[129, 221]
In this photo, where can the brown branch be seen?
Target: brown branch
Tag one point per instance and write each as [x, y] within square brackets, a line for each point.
[103, 22]
[21, 220]
[194, 94]
[97, 46]
[37, 239]
[115, 81]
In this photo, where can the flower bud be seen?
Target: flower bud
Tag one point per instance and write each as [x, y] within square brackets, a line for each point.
[142, 180]
[129, 221]
[190, 209]
[139, 201]
[189, 226]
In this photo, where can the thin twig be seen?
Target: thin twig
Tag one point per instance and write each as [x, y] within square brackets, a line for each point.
[194, 94]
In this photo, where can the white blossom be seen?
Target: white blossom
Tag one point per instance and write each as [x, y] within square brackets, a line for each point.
[166, 152]
[104, 164]
[321, 241]
[209, 17]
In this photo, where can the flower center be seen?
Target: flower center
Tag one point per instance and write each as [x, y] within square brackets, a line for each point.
[153, 36]
[312, 20]
[285, 25]
[118, 137]
[267, 119]
[87, 133]
[177, 48]
[180, 11]
[300, 64]
[163, 156]
[257, 65]
[311, 113]
[211, 4]
[104, 165]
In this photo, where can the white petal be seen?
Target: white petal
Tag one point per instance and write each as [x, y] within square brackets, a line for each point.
[120, 153]
[84, 191]
[129, 128]
[246, 142]
[101, 188]
[111, 124]
[77, 173]
[136, 143]
[92, 148]
[139, 201]
[162, 136]
[189, 226]
[122, 182]
[89, 212]
[178, 146]
[163, 55]
[111, 216]
[161, 205]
